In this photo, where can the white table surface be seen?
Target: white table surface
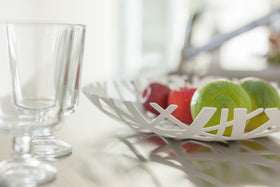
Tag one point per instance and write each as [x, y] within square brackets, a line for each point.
[108, 154]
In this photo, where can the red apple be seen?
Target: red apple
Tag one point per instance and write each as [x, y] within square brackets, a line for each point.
[155, 93]
[182, 98]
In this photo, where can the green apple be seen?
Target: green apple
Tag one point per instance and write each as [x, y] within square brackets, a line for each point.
[263, 95]
[220, 94]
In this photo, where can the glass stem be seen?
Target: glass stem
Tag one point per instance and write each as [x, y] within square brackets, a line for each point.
[45, 136]
[22, 147]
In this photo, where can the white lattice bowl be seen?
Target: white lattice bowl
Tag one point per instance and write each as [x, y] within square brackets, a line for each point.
[121, 100]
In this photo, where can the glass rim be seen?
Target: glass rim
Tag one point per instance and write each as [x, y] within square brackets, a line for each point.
[44, 23]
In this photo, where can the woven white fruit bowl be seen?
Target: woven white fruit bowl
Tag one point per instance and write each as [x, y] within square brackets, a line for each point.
[121, 100]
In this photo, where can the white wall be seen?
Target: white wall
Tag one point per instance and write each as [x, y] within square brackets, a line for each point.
[100, 16]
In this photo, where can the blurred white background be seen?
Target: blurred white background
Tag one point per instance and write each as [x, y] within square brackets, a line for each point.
[101, 17]
[133, 37]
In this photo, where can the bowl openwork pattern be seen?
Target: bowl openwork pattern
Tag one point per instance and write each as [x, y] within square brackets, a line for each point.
[121, 100]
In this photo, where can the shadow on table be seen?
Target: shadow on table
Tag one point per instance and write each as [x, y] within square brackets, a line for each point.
[236, 163]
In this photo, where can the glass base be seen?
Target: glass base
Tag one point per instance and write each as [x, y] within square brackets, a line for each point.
[50, 147]
[27, 172]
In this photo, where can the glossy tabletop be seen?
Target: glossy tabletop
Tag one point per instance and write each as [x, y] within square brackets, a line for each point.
[109, 154]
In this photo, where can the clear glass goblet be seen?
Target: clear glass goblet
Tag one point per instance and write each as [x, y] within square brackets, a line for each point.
[46, 145]
[32, 96]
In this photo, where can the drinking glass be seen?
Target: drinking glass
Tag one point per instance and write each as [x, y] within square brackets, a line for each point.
[32, 97]
[46, 145]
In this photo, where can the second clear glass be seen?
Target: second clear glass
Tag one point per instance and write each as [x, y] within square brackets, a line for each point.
[45, 145]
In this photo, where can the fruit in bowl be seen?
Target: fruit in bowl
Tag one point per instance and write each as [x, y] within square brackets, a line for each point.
[155, 93]
[250, 93]
[210, 93]
[220, 94]
[182, 98]
[263, 95]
